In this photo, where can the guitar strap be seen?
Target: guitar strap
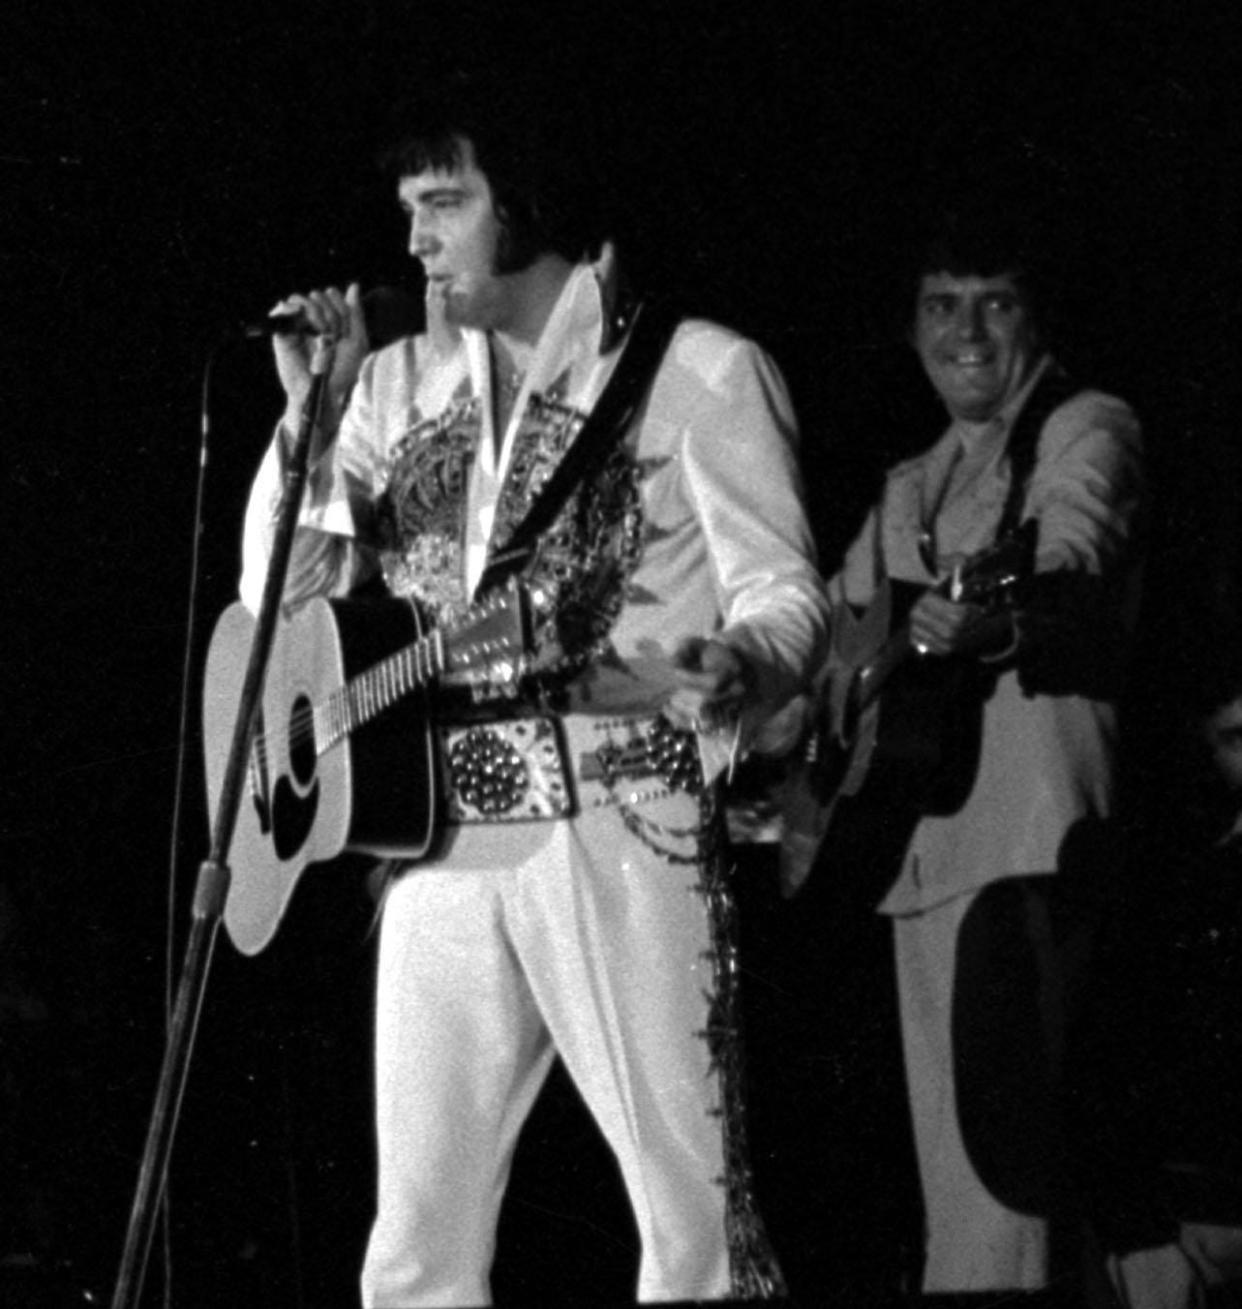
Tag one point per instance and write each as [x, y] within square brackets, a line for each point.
[1052, 390]
[650, 333]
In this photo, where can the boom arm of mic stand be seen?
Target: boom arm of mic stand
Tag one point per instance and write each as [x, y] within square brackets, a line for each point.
[211, 890]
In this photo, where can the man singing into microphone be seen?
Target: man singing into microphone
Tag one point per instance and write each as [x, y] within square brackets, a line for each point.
[676, 605]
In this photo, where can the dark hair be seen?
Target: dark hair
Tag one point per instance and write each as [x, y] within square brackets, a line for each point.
[988, 232]
[974, 240]
[536, 156]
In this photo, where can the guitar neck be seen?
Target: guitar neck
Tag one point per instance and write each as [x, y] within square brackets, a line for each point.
[363, 697]
[871, 677]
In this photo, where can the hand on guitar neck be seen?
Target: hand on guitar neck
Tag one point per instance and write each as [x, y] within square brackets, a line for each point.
[970, 611]
[941, 626]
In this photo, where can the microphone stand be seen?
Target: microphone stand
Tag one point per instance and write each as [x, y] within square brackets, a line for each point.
[212, 888]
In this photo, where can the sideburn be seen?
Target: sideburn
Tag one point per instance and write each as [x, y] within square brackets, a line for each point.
[516, 246]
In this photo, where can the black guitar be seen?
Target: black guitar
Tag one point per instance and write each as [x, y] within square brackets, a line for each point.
[892, 723]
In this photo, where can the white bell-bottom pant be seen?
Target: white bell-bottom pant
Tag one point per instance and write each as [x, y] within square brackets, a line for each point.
[522, 941]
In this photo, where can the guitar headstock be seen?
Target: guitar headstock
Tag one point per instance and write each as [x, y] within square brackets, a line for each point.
[995, 576]
[488, 645]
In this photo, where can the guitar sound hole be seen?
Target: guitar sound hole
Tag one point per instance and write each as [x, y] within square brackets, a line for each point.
[301, 742]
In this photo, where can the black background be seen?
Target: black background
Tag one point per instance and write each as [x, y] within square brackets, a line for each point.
[170, 170]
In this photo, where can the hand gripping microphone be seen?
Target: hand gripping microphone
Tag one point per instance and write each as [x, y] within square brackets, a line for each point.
[389, 314]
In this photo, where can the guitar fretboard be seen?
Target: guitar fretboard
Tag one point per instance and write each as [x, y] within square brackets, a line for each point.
[360, 699]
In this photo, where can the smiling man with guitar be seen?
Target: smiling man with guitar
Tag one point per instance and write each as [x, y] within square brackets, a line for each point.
[631, 479]
[995, 580]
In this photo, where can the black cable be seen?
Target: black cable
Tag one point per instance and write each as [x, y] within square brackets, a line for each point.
[183, 737]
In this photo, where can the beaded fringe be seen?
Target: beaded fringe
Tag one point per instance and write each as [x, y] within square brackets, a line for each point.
[754, 1269]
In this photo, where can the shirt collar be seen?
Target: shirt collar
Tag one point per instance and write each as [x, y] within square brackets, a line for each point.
[595, 305]
[592, 312]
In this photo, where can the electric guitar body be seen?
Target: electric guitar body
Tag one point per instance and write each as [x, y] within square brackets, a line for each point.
[919, 740]
[890, 726]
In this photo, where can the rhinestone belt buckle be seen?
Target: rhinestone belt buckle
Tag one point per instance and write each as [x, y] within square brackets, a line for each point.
[670, 753]
[505, 772]
[674, 755]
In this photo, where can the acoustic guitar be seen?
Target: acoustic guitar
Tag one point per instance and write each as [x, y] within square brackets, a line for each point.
[343, 754]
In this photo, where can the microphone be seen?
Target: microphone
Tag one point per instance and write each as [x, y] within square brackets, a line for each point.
[388, 312]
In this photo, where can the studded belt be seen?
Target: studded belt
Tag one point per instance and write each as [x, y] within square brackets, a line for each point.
[522, 769]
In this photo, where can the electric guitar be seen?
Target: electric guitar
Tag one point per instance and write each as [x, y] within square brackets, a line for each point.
[343, 753]
[892, 723]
